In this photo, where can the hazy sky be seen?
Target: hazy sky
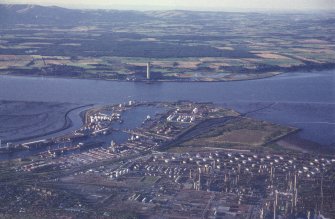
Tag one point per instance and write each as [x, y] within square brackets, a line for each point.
[189, 4]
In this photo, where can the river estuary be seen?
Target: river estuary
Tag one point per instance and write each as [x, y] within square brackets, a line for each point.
[305, 100]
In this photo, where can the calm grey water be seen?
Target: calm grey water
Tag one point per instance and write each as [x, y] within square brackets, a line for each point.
[305, 100]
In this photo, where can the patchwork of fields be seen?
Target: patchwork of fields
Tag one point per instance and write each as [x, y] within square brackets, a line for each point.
[116, 45]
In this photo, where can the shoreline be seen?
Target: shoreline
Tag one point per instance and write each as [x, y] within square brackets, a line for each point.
[68, 123]
[274, 74]
[143, 80]
[295, 142]
[232, 77]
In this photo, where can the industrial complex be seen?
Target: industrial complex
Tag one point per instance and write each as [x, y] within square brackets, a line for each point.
[153, 172]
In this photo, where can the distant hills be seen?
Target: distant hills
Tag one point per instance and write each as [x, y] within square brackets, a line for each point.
[34, 14]
[52, 15]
